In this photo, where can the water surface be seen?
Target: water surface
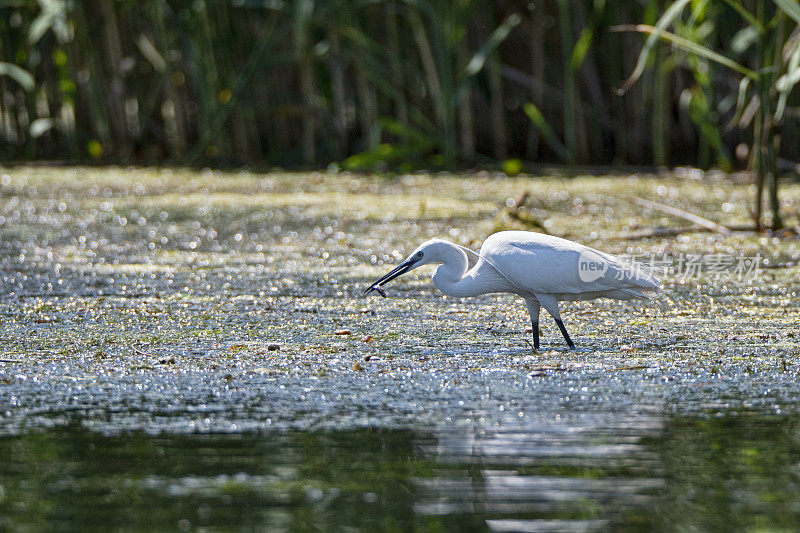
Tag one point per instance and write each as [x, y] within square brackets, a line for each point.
[709, 473]
[190, 350]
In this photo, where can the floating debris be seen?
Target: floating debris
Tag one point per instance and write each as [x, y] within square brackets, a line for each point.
[140, 352]
[132, 299]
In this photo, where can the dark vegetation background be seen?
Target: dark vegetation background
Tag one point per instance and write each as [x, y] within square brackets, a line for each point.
[371, 84]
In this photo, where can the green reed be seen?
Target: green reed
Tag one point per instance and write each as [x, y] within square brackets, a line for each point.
[398, 84]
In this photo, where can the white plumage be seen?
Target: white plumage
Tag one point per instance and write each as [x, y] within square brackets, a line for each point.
[541, 268]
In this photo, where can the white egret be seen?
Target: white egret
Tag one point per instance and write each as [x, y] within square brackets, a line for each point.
[541, 268]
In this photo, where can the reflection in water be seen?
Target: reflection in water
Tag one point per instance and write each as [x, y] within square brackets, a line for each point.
[552, 478]
[732, 473]
[686, 473]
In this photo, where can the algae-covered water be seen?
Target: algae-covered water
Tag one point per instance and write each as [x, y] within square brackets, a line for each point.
[188, 350]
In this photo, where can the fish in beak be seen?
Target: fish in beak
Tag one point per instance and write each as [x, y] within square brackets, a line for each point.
[399, 271]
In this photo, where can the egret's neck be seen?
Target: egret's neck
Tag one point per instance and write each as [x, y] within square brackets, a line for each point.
[449, 276]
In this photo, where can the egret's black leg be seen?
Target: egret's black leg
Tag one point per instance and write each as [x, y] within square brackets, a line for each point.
[533, 310]
[566, 335]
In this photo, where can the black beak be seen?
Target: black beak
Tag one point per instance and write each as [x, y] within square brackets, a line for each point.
[399, 271]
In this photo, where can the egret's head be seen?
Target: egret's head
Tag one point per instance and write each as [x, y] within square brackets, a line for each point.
[428, 252]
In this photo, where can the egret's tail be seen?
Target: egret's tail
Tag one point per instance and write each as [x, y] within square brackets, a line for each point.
[640, 278]
[638, 293]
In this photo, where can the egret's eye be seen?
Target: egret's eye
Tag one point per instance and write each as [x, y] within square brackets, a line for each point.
[419, 254]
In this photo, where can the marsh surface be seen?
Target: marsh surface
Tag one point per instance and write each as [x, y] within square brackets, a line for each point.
[187, 349]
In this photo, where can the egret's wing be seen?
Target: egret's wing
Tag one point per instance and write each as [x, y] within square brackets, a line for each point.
[544, 264]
